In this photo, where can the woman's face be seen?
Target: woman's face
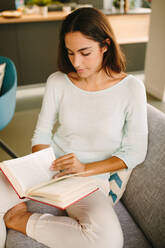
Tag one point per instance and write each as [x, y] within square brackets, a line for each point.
[85, 55]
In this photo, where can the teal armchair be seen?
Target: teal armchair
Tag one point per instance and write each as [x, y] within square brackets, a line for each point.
[7, 98]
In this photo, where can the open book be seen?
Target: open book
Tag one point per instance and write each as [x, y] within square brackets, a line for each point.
[31, 178]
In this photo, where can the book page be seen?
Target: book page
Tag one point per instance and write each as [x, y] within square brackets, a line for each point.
[32, 169]
[63, 203]
[52, 181]
[65, 188]
[13, 181]
[65, 192]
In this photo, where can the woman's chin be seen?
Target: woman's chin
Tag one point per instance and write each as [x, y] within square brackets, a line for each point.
[83, 74]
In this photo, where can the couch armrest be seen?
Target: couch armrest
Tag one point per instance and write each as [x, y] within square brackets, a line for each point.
[145, 193]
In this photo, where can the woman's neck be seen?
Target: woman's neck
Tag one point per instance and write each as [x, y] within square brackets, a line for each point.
[96, 81]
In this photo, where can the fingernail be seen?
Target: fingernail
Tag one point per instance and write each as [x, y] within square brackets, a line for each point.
[51, 167]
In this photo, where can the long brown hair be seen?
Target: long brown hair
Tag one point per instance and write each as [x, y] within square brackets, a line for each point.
[95, 26]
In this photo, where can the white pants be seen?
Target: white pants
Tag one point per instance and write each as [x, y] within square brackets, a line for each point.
[8, 199]
[91, 222]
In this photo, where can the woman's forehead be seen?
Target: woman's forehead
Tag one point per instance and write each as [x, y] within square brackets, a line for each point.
[78, 41]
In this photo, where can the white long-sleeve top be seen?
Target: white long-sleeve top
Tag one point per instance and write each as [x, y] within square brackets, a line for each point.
[95, 125]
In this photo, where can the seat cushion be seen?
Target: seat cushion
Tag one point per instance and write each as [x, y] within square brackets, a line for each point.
[19, 240]
[133, 236]
[145, 192]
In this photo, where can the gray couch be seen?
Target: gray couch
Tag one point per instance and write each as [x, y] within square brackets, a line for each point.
[142, 208]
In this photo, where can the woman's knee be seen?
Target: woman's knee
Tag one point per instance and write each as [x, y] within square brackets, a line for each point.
[108, 230]
[100, 220]
[113, 235]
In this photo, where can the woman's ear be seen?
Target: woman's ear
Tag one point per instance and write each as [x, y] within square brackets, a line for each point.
[106, 44]
[107, 41]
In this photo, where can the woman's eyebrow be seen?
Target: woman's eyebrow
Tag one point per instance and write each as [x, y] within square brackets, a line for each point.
[79, 50]
[82, 49]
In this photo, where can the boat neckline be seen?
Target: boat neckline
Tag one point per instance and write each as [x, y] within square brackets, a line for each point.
[97, 91]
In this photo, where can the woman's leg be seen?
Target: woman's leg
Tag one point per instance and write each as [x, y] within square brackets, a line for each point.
[15, 239]
[8, 199]
[92, 223]
[2, 231]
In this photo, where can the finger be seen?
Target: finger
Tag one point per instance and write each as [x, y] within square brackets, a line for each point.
[61, 174]
[66, 166]
[64, 162]
[61, 167]
[62, 158]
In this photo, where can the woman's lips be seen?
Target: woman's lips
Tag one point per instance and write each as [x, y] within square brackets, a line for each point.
[80, 70]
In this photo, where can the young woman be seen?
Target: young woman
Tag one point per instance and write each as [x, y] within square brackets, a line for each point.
[102, 127]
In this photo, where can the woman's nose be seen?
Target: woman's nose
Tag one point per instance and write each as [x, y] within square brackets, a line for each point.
[76, 61]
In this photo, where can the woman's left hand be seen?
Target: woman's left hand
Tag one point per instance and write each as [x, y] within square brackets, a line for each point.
[68, 164]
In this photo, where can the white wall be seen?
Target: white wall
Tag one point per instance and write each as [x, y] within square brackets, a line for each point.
[155, 56]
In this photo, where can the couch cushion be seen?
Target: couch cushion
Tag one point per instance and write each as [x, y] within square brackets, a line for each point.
[145, 192]
[133, 236]
[19, 240]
